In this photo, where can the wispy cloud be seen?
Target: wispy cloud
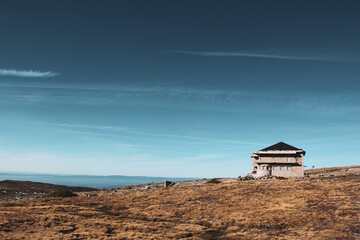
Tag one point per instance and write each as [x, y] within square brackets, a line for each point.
[26, 73]
[265, 55]
[112, 131]
[134, 91]
[223, 100]
[97, 94]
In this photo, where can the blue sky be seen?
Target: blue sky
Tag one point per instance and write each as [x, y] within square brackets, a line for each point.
[176, 88]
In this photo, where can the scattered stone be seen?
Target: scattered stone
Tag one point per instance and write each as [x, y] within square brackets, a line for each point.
[91, 195]
[168, 184]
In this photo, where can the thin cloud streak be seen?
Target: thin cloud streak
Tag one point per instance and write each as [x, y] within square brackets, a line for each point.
[137, 132]
[26, 73]
[176, 97]
[263, 55]
[144, 91]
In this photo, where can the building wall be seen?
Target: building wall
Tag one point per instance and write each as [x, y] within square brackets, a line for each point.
[279, 170]
[279, 159]
[288, 171]
[261, 171]
[266, 165]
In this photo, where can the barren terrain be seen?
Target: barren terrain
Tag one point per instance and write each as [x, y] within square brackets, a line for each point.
[323, 206]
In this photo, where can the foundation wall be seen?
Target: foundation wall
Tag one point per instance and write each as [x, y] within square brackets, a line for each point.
[279, 171]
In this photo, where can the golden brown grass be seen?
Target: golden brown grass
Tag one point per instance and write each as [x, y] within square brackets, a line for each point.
[314, 208]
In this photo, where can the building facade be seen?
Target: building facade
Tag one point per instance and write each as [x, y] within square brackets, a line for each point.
[280, 159]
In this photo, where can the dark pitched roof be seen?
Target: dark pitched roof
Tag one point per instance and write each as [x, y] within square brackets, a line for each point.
[281, 146]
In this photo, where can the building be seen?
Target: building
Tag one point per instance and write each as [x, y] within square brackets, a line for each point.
[280, 160]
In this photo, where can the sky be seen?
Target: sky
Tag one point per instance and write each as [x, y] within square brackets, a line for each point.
[176, 88]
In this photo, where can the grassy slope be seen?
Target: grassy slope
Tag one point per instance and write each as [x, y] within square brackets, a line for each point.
[314, 208]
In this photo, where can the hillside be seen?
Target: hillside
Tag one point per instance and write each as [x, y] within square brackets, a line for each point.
[323, 206]
[10, 189]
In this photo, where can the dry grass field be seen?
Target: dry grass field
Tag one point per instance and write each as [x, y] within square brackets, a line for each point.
[323, 206]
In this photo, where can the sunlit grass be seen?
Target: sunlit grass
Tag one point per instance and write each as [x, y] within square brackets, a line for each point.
[313, 208]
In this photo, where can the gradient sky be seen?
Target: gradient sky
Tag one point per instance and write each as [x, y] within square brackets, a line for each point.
[176, 88]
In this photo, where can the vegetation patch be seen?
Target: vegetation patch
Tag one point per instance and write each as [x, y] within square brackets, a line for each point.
[62, 193]
[214, 180]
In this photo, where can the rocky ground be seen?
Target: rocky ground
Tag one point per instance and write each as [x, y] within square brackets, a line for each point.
[323, 206]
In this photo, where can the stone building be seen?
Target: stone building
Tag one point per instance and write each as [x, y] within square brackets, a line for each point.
[280, 160]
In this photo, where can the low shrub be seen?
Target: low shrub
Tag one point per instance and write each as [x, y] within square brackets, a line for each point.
[62, 193]
[214, 180]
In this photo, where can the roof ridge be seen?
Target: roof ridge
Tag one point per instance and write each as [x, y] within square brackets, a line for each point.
[280, 146]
